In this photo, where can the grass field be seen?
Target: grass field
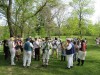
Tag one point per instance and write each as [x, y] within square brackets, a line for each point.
[56, 67]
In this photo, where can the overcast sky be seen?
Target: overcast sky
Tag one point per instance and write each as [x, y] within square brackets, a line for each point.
[95, 17]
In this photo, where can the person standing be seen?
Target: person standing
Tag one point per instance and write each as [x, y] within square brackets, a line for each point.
[18, 49]
[11, 45]
[76, 51]
[63, 52]
[6, 49]
[69, 53]
[46, 51]
[55, 47]
[82, 53]
[27, 53]
[36, 45]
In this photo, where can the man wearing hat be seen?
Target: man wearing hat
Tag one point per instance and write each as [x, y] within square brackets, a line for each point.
[69, 52]
[46, 51]
[27, 52]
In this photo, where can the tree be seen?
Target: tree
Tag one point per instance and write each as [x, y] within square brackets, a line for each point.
[97, 28]
[12, 17]
[7, 8]
[82, 9]
[59, 18]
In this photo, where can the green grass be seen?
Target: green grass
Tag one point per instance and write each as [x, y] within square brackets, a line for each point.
[56, 67]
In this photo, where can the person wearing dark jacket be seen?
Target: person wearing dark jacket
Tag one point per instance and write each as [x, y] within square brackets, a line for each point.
[6, 49]
[69, 53]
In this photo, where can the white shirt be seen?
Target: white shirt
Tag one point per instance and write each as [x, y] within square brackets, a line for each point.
[69, 46]
[31, 44]
[36, 44]
[11, 44]
[55, 45]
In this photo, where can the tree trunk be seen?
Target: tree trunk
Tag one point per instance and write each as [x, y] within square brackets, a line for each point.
[59, 30]
[80, 23]
[9, 7]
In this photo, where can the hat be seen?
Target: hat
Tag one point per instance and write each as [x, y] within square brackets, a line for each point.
[46, 38]
[69, 39]
[12, 38]
[28, 39]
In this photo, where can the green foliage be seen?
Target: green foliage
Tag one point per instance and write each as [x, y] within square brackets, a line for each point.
[82, 9]
[37, 18]
[4, 33]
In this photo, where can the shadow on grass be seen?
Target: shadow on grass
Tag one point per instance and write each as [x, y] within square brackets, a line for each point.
[4, 62]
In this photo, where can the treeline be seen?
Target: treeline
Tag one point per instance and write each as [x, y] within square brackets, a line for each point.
[47, 18]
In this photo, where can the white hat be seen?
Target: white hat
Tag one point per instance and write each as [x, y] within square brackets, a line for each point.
[68, 39]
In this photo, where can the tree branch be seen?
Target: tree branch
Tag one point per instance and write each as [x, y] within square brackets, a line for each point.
[40, 9]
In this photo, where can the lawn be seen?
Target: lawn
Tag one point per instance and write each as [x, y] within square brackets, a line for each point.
[56, 67]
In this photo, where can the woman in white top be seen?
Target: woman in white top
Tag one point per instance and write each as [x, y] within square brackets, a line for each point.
[11, 45]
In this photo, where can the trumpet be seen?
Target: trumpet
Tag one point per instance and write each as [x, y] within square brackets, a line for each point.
[65, 45]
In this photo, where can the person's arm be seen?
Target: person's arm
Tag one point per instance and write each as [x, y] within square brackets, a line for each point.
[31, 45]
[84, 47]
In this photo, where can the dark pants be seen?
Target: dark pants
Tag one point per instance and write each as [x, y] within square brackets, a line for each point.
[37, 54]
[7, 54]
[80, 61]
[63, 58]
[74, 57]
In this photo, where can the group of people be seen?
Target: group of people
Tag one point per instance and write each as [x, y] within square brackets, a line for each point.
[74, 50]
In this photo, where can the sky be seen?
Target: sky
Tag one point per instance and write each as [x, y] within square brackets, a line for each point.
[96, 15]
[94, 18]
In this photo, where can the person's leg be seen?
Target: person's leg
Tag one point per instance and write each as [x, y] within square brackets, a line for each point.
[53, 52]
[83, 58]
[57, 53]
[82, 62]
[74, 57]
[47, 57]
[6, 55]
[78, 61]
[47, 60]
[43, 62]
[38, 54]
[61, 57]
[43, 59]
[64, 58]
[29, 58]
[35, 53]
[24, 58]
[68, 61]
[12, 56]
[71, 60]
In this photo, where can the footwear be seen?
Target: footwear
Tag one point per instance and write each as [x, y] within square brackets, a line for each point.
[71, 66]
[46, 65]
[67, 68]
[28, 66]
[78, 62]
[24, 66]
[82, 61]
[13, 64]
[43, 65]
